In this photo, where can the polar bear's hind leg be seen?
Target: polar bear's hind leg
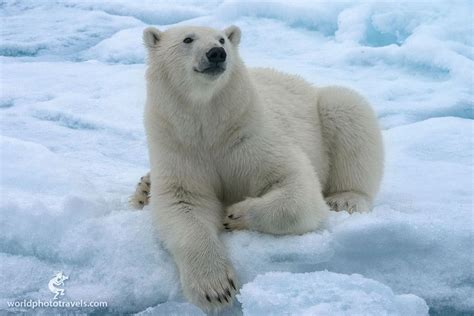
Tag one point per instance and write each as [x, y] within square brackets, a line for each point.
[354, 142]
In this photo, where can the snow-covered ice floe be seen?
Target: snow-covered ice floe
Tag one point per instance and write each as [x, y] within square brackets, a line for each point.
[73, 147]
[325, 293]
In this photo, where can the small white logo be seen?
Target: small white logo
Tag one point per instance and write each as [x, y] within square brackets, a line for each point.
[57, 280]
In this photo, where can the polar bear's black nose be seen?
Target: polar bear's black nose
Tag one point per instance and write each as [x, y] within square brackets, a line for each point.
[216, 55]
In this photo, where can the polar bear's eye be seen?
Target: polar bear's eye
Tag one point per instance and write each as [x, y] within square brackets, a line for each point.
[222, 41]
[188, 40]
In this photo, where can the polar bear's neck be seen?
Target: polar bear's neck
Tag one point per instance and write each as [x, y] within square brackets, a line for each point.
[174, 117]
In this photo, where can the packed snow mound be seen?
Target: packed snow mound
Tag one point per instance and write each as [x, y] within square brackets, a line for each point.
[73, 148]
[124, 47]
[33, 30]
[324, 293]
[149, 11]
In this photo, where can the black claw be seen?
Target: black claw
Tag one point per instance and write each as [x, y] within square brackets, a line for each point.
[231, 216]
[141, 202]
[219, 299]
[232, 284]
[226, 299]
[228, 292]
[226, 224]
[208, 298]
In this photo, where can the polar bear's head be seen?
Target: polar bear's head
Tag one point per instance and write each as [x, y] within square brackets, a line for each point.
[197, 60]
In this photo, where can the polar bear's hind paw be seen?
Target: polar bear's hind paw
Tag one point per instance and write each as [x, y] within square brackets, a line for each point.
[348, 201]
[141, 197]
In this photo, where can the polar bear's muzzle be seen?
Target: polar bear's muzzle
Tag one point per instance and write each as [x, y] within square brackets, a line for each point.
[214, 63]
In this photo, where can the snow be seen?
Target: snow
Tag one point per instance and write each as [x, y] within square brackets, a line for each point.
[73, 147]
[324, 293]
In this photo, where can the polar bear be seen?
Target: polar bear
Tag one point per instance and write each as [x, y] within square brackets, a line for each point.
[233, 148]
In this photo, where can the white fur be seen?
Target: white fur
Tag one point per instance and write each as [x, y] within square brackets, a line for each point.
[251, 149]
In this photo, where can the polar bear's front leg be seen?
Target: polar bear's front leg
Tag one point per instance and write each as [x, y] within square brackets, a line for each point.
[189, 222]
[291, 204]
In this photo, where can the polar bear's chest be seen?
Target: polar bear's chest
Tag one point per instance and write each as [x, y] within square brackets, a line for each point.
[235, 188]
[239, 174]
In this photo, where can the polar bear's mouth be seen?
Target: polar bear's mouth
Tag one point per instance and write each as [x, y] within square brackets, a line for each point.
[212, 70]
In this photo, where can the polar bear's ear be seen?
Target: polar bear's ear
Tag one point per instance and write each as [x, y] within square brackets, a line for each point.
[233, 34]
[151, 37]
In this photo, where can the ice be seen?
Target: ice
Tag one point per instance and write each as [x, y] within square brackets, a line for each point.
[29, 29]
[324, 293]
[149, 11]
[73, 147]
[124, 47]
[173, 309]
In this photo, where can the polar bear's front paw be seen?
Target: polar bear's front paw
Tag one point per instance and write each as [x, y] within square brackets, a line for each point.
[348, 201]
[211, 290]
[141, 197]
[236, 216]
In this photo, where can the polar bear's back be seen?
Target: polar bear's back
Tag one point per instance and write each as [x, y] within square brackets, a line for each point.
[292, 104]
[280, 88]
